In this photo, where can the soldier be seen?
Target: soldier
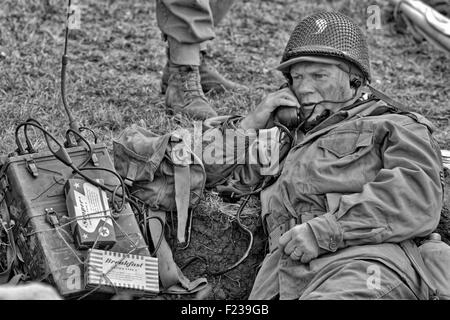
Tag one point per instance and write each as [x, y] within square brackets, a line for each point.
[187, 25]
[358, 176]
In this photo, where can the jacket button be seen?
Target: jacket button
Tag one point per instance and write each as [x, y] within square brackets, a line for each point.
[332, 245]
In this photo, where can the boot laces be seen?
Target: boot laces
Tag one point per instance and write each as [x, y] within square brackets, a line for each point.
[191, 80]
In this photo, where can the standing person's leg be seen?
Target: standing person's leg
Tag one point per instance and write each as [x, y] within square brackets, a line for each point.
[219, 9]
[210, 77]
[185, 24]
[187, 32]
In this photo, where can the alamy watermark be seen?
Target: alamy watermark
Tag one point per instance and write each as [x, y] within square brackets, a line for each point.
[373, 12]
[74, 21]
[374, 17]
[373, 281]
[227, 147]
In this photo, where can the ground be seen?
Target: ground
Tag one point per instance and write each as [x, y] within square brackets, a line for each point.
[113, 78]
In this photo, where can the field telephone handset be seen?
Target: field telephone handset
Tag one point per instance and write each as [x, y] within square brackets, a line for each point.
[292, 117]
[288, 116]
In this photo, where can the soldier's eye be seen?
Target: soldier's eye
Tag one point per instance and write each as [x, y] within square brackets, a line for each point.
[319, 76]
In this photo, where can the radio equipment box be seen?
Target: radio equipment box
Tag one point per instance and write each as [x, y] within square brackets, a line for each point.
[88, 206]
[33, 188]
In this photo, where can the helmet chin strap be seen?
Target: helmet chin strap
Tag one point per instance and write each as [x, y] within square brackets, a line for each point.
[354, 83]
[328, 111]
[315, 104]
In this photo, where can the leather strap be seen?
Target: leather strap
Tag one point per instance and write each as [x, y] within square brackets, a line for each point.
[166, 264]
[182, 192]
[170, 275]
[380, 95]
[131, 173]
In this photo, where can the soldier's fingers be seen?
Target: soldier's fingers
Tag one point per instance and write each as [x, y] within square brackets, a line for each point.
[306, 258]
[297, 253]
[286, 102]
[287, 90]
[296, 256]
[289, 93]
[288, 96]
[284, 240]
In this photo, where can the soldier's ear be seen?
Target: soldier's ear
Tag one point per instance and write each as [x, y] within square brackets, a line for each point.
[284, 85]
[355, 83]
[288, 78]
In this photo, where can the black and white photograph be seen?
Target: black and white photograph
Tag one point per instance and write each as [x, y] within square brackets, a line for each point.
[217, 156]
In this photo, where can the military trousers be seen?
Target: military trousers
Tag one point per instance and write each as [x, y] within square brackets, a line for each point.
[380, 271]
[188, 24]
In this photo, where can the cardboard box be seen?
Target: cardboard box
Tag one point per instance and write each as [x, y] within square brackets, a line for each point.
[134, 273]
[88, 204]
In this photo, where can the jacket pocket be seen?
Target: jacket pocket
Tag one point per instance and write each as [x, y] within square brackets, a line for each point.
[345, 142]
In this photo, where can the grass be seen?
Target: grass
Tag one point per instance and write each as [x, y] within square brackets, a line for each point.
[117, 57]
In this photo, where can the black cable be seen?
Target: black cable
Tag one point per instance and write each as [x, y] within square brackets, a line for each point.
[62, 155]
[144, 226]
[247, 251]
[161, 235]
[46, 135]
[284, 129]
[91, 131]
[125, 196]
[30, 148]
[191, 260]
[264, 185]
[114, 194]
[91, 152]
[112, 191]
[133, 202]
[315, 104]
[20, 148]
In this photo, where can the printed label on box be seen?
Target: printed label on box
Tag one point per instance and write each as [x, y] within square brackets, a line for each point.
[89, 206]
[122, 270]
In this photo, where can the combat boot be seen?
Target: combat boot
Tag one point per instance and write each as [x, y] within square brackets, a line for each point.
[211, 79]
[184, 93]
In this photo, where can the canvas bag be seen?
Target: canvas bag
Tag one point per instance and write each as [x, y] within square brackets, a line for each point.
[163, 172]
[431, 260]
[436, 257]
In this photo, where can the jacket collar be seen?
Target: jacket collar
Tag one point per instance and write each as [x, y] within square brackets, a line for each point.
[357, 110]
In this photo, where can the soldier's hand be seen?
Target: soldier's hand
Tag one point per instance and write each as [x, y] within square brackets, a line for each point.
[262, 116]
[300, 243]
[31, 291]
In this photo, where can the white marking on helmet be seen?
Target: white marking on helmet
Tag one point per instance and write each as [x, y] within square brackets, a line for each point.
[321, 25]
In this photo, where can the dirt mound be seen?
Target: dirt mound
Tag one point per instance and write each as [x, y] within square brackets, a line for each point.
[218, 243]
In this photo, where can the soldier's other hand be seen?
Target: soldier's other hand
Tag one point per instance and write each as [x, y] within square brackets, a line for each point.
[30, 291]
[262, 116]
[300, 243]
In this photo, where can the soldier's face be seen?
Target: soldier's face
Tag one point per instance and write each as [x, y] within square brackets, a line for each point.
[315, 82]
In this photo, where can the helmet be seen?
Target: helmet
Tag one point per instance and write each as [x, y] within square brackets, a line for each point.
[327, 36]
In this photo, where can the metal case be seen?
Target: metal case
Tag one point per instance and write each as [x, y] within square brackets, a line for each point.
[33, 188]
